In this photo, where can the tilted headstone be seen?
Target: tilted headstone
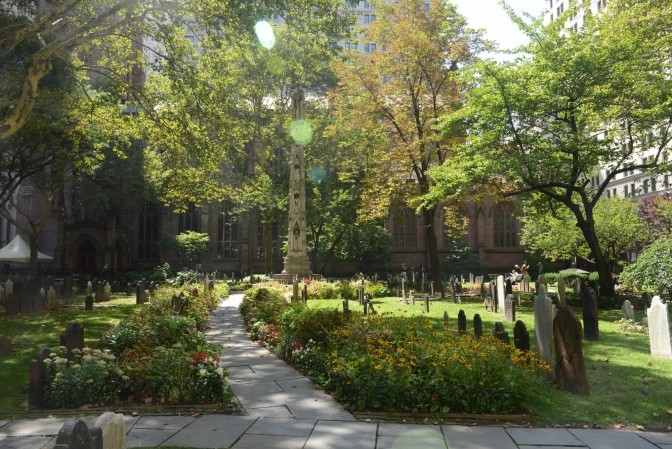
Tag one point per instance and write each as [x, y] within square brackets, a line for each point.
[484, 291]
[426, 302]
[628, 310]
[51, 299]
[493, 296]
[500, 293]
[114, 430]
[562, 294]
[88, 302]
[521, 336]
[478, 326]
[5, 345]
[509, 308]
[77, 435]
[591, 330]
[461, 322]
[659, 329]
[500, 333]
[37, 378]
[72, 338]
[543, 324]
[570, 367]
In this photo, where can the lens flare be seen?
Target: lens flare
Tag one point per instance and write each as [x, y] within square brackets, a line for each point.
[301, 132]
[276, 65]
[317, 175]
[265, 34]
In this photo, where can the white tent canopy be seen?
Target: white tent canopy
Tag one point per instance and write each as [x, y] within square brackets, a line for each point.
[18, 251]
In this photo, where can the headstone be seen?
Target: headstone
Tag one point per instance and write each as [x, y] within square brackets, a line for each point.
[446, 318]
[140, 293]
[89, 288]
[113, 429]
[659, 329]
[521, 336]
[67, 286]
[426, 300]
[509, 308]
[484, 291]
[493, 295]
[543, 324]
[129, 289]
[591, 331]
[9, 288]
[562, 294]
[2, 293]
[5, 345]
[500, 292]
[36, 379]
[570, 368]
[500, 333]
[88, 302]
[77, 435]
[40, 301]
[628, 310]
[304, 294]
[295, 290]
[508, 290]
[107, 292]
[13, 304]
[542, 281]
[478, 326]
[206, 283]
[646, 299]
[461, 322]
[51, 299]
[72, 338]
[100, 292]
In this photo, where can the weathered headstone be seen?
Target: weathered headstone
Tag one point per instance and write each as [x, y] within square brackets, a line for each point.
[88, 302]
[484, 291]
[36, 379]
[140, 297]
[113, 429]
[500, 293]
[478, 326]
[51, 299]
[461, 322]
[562, 294]
[129, 289]
[107, 292]
[9, 288]
[591, 330]
[100, 292]
[628, 310]
[493, 296]
[521, 336]
[40, 301]
[542, 281]
[543, 324]
[659, 329]
[89, 288]
[72, 338]
[509, 308]
[508, 288]
[77, 435]
[5, 345]
[500, 333]
[570, 367]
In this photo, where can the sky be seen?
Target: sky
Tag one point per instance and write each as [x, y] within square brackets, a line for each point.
[488, 14]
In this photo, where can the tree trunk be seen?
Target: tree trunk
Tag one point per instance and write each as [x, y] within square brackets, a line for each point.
[268, 248]
[601, 263]
[430, 234]
[33, 239]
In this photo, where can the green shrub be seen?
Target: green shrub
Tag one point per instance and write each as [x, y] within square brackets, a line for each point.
[345, 290]
[376, 290]
[321, 290]
[263, 303]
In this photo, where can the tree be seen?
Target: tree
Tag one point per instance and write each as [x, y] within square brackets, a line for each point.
[573, 103]
[657, 212]
[388, 101]
[652, 267]
[191, 244]
[554, 233]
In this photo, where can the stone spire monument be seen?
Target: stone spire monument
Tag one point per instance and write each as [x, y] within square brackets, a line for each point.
[296, 261]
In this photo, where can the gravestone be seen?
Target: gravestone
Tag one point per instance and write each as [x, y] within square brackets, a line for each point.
[508, 290]
[591, 331]
[9, 288]
[493, 296]
[129, 289]
[140, 297]
[72, 338]
[40, 301]
[541, 280]
[100, 292]
[478, 326]
[77, 435]
[521, 336]
[89, 288]
[5, 345]
[2, 293]
[646, 299]
[500, 293]
[206, 283]
[461, 322]
[446, 319]
[68, 283]
[51, 299]
[13, 304]
[295, 290]
[107, 292]
[659, 329]
[304, 294]
[509, 308]
[88, 302]
[113, 429]
[543, 324]
[426, 301]
[628, 310]
[484, 291]
[500, 333]
[570, 367]
[37, 378]
[562, 294]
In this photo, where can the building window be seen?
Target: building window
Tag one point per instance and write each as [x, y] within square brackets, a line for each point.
[188, 221]
[426, 6]
[148, 232]
[654, 187]
[369, 48]
[369, 18]
[645, 185]
[632, 189]
[351, 45]
[608, 194]
[227, 233]
[367, 5]
[625, 191]
[404, 230]
[504, 226]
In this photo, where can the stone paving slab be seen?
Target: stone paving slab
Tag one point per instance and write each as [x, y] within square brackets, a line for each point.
[544, 437]
[345, 435]
[477, 437]
[32, 427]
[659, 438]
[269, 441]
[394, 429]
[3, 422]
[148, 437]
[25, 442]
[163, 422]
[392, 442]
[611, 439]
[211, 431]
[277, 411]
[282, 427]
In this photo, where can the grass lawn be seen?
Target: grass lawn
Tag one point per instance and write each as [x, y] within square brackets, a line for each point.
[33, 331]
[627, 386]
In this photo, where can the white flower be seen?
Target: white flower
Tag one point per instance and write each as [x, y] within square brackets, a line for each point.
[203, 372]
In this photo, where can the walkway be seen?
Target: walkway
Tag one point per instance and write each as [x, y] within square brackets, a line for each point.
[285, 411]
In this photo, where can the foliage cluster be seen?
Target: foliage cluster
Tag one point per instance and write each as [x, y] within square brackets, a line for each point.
[652, 267]
[157, 355]
[402, 364]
